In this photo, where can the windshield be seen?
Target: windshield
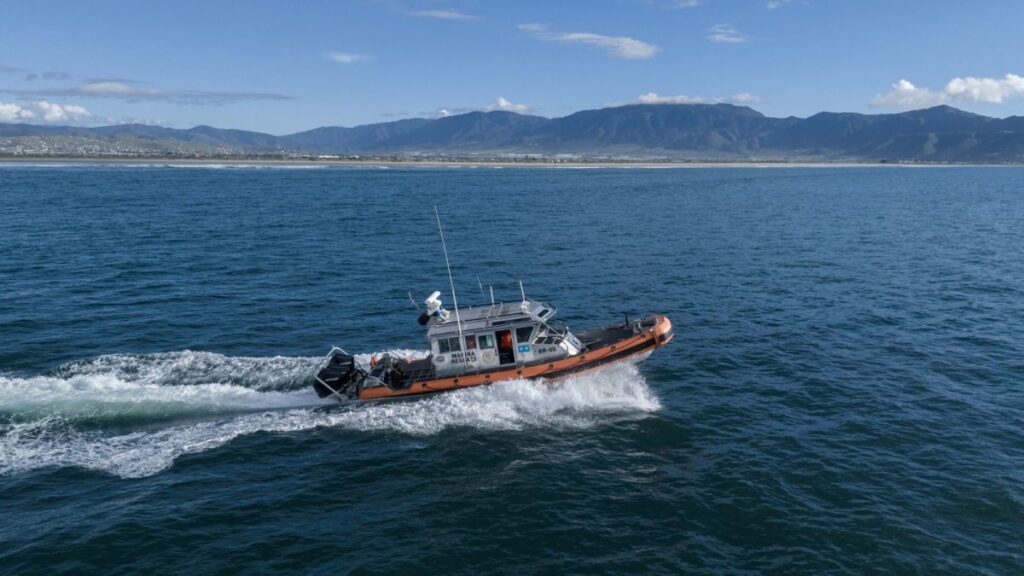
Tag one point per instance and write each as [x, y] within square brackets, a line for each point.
[555, 327]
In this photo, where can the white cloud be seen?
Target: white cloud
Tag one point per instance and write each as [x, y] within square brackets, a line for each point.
[136, 120]
[618, 46]
[52, 75]
[745, 98]
[687, 3]
[131, 92]
[11, 112]
[500, 104]
[993, 90]
[905, 94]
[62, 113]
[444, 15]
[773, 4]
[44, 111]
[726, 33]
[655, 98]
[115, 89]
[533, 27]
[345, 57]
[505, 105]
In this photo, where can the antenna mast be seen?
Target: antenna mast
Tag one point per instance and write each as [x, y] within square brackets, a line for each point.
[451, 282]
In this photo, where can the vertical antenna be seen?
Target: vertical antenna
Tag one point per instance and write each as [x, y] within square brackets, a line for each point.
[451, 282]
[492, 294]
[521, 291]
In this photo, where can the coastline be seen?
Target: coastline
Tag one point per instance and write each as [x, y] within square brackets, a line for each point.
[478, 162]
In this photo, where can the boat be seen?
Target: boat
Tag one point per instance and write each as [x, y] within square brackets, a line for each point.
[488, 344]
[477, 346]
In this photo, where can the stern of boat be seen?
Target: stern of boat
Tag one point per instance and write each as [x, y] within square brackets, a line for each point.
[341, 377]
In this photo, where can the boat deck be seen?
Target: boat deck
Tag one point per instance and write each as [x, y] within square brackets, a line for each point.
[417, 370]
[606, 336]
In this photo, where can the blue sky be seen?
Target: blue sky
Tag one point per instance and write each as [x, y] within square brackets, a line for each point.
[283, 67]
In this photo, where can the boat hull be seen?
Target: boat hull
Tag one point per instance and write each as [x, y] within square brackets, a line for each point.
[658, 333]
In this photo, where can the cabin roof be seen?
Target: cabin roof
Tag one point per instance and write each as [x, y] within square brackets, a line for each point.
[485, 317]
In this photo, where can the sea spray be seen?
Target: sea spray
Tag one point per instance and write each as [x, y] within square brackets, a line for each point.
[188, 367]
[133, 415]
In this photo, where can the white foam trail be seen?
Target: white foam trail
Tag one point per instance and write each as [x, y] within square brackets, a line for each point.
[108, 397]
[188, 367]
[41, 418]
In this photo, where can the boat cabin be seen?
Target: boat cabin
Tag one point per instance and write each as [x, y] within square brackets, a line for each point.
[500, 335]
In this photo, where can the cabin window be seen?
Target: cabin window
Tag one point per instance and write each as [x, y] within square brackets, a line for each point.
[470, 342]
[485, 341]
[446, 345]
[543, 313]
[523, 334]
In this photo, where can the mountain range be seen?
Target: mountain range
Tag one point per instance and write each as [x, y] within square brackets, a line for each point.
[641, 131]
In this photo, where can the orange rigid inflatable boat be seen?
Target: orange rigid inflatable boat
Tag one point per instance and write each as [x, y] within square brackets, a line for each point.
[483, 345]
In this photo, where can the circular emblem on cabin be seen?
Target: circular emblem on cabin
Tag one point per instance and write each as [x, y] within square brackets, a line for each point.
[438, 359]
[488, 356]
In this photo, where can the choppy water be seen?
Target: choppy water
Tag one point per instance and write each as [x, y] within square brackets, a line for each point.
[844, 394]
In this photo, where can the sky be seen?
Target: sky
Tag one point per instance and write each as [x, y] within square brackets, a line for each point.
[283, 67]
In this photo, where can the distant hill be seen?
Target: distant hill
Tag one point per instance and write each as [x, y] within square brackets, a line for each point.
[664, 131]
[336, 139]
[666, 127]
[467, 132]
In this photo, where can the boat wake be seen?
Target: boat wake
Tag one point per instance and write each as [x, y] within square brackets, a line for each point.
[132, 415]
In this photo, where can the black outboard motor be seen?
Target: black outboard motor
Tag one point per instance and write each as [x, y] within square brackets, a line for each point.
[341, 376]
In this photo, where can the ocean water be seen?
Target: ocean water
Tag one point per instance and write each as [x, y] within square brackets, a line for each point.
[845, 393]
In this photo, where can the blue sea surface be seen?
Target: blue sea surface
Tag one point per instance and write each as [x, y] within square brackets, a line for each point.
[845, 393]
